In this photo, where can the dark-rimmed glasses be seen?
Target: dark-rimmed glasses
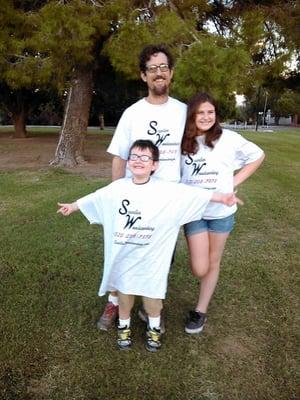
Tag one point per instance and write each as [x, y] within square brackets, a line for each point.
[143, 157]
[154, 68]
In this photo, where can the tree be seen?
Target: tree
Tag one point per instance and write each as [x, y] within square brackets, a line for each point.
[111, 28]
[80, 27]
[21, 72]
[227, 67]
[266, 30]
[87, 31]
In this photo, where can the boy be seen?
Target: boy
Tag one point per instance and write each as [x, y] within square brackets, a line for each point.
[141, 217]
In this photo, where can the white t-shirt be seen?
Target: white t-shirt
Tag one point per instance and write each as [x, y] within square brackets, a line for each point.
[141, 224]
[161, 123]
[213, 169]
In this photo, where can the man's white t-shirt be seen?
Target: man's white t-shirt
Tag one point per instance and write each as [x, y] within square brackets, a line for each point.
[141, 224]
[213, 169]
[163, 124]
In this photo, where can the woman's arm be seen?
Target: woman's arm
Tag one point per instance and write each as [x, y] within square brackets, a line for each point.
[247, 171]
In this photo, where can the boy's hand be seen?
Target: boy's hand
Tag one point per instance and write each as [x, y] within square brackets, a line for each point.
[229, 199]
[67, 208]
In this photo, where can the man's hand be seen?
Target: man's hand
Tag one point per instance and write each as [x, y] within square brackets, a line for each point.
[67, 208]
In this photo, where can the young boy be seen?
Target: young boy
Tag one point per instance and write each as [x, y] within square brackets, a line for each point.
[141, 217]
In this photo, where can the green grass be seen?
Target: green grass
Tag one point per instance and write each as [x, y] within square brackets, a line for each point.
[50, 268]
[33, 131]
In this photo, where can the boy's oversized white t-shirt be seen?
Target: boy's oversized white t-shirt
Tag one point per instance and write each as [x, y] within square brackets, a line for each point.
[141, 224]
[163, 124]
[213, 169]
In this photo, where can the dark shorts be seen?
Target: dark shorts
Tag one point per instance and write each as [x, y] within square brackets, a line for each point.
[222, 225]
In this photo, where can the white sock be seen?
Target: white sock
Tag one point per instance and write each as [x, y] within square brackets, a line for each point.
[154, 322]
[124, 323]
[113, 299]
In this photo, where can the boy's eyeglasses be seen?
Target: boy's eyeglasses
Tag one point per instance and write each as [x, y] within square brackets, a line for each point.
[153, 68]
[143, 157]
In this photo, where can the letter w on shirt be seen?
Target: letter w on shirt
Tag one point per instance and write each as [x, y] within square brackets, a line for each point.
[131, 221]
[197, 168]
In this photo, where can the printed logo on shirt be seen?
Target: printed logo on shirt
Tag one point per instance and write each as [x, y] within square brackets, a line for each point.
[197, 166]
[139, 235]
[161, 134]
[131, 219]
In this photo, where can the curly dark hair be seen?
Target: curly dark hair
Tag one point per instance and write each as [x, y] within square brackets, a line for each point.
[151, 49]
[189, 144]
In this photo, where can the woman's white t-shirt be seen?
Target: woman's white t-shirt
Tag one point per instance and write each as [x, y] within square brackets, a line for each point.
[213, 169]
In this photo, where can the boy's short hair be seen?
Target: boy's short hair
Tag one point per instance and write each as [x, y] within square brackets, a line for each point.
[148, 52]
[146, 144]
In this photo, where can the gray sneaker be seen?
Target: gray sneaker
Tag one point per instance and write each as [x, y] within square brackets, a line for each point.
[144, 317]
[124, 338]
[153, 342]
[109, 317]
[195, 322]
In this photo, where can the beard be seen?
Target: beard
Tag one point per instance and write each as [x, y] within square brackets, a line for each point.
[160, 90]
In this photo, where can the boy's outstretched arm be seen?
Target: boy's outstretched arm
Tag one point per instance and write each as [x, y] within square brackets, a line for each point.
[229, 199]
[67, 208]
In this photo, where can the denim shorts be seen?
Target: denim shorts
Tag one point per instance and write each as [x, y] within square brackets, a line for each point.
[222, 225]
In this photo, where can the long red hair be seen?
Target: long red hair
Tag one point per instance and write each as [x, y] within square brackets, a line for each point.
[189, 143]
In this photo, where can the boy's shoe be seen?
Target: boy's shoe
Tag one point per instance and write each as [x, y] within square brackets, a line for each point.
[124, 338]
[195, 322]
[153, 343]
[109, 317]
[144, 317]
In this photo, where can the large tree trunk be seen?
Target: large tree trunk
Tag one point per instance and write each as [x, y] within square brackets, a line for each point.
[19, 119]
[69, 151]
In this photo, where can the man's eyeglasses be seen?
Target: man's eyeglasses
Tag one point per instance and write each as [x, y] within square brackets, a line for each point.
[143, 157]
[153, 68]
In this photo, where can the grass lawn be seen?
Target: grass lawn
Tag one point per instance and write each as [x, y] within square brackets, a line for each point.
[50, 268]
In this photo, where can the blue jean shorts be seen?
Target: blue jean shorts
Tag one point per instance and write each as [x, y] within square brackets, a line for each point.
[222, 225]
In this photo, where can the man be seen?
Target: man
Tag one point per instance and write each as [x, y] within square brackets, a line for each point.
[157, 117]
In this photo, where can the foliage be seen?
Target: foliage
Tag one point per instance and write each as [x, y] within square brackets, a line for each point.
[227, 64]
[220, 46]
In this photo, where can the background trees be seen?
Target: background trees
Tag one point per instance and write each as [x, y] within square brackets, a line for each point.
[81, 47]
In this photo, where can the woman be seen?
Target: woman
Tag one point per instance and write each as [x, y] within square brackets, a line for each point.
[210, 155]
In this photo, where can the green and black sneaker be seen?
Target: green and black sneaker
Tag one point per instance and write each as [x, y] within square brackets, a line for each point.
[153, 342]
[124, 338]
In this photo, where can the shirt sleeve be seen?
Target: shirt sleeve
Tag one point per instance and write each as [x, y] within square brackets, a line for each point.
[120, 143]
[92, 207]
[245, 152]
[190, 203]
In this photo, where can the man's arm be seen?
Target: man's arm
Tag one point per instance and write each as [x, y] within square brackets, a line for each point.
[118, 168]
[67, 208]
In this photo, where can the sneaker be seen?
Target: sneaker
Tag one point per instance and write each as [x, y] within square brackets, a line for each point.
[109, 317]
[195, 322]
[124, 338]
[144, 317]
[153, 343]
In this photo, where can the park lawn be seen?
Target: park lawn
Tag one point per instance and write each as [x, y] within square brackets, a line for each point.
[48, 130]
[49, 273]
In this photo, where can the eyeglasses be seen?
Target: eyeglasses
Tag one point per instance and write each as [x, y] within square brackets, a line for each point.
[153, 68]
[143, 157]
